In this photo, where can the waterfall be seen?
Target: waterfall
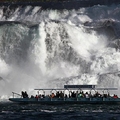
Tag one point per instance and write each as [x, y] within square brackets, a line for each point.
[50, 48]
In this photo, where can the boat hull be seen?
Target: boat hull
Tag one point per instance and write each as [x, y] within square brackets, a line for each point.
[66, 100]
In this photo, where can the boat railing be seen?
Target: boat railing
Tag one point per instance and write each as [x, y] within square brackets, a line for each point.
[16, 95]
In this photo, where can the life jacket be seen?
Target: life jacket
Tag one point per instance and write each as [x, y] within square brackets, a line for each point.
[115, 96]
[36, 96]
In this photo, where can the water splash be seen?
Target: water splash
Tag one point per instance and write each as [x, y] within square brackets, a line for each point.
[52, 48]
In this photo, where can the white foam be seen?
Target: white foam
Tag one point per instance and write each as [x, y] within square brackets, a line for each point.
[87, 52]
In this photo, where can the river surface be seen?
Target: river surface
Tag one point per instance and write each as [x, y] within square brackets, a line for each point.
[13, 111]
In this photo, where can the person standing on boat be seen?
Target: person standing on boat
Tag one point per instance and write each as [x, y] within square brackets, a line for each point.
[61, 94]
[26, 95]
[52, 95]
[86, 95]
[23, 94]
[57, 94]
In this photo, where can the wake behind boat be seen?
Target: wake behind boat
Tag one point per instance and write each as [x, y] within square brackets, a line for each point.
[59, 4]
[70, 94]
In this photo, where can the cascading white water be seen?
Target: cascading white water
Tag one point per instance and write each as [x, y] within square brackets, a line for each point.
[44, 49]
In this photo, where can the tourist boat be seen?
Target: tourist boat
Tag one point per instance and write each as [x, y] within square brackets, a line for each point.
[60, 4]
[93, 96]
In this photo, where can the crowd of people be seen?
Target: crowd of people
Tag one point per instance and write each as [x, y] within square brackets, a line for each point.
[72, 94]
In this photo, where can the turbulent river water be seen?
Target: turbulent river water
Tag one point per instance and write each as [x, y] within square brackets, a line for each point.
[50, 48]
[11, 111]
